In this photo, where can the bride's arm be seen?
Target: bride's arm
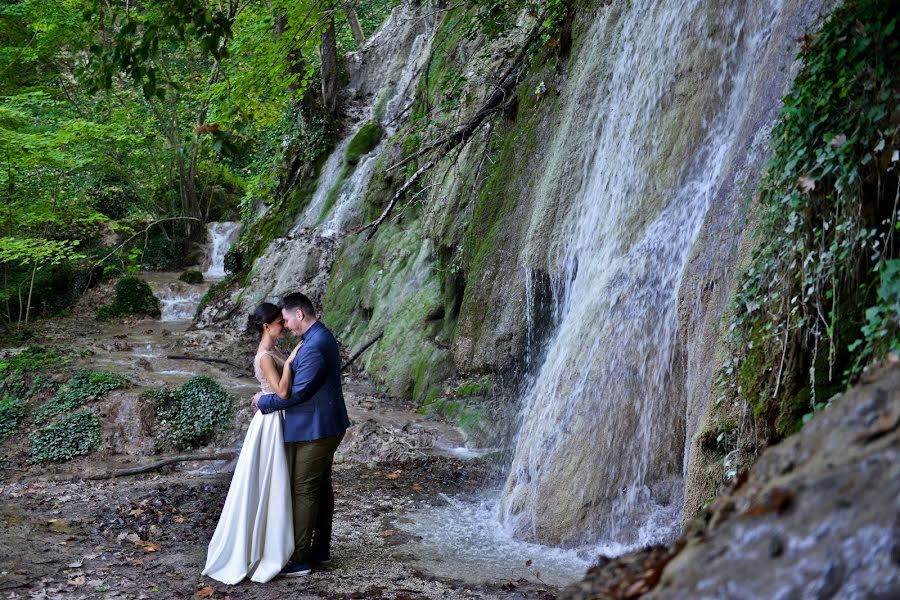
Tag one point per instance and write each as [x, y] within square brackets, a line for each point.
[279, 382]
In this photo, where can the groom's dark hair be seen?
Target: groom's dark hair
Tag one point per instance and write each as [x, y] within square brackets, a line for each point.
[299, 300]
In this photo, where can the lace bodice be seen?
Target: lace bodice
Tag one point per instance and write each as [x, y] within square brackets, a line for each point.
[279, 358]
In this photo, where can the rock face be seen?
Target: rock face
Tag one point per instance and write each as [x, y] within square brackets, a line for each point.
[815, 517]
[584, 241]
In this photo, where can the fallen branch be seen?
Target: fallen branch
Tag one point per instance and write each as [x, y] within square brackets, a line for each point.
[360, 351]
[142, 232]
[204, 359]
[443, 146]
[162, 463]
[374, 225]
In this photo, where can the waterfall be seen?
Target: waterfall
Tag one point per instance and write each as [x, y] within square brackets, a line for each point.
[384, 76]
[599, 456]
[221, 236]
[382, 85]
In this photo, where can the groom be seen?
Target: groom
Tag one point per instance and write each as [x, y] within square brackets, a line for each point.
[315, 419]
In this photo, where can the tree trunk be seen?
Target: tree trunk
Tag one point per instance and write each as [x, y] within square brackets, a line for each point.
[30, 290]
[328, 54]
[355, 27]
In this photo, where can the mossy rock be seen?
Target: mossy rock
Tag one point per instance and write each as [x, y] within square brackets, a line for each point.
[363, 142]
[192, 277]
[133, 297]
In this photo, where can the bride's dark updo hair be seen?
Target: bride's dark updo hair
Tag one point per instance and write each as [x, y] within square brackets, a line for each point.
[264, 314]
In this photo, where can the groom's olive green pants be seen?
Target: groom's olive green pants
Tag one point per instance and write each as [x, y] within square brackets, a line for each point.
[312, 496]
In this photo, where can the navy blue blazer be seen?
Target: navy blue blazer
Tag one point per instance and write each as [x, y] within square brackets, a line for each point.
[315, 409]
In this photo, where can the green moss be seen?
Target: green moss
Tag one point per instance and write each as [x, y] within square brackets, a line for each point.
[363, 142]
[192, 277]
[133, 297]
[334, 193]
[791, 409]
[74, 435]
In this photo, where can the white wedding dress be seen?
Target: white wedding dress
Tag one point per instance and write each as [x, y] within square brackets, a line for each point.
[255, 534]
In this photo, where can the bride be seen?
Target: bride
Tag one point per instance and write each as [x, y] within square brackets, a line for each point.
[255, 534]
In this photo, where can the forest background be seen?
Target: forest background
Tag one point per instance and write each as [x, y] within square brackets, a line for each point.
[126, 126]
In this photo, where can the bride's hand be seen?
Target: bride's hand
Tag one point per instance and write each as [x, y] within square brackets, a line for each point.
[290, 358]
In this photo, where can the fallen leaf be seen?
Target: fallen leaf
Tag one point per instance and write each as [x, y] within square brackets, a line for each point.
[137, 511]
[180, 519]
[393, 475]
[205, 592]
[136, 562]
[150, 547]
[806, 183]
[77, 581]
[75, 565]
[387, 533]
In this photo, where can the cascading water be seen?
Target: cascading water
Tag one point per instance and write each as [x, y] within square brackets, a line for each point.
[381, 89]
[221, 237]
[600, 451]
[393, 58]
[178, 300]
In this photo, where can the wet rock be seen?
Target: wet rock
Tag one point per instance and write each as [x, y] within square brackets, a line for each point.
[815, 517]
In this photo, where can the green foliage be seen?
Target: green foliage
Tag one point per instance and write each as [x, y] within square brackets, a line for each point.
[363, 142]
[33, 358]
[192, 277]
[83, 387]
[881, 333]
[133, 297]
[11, 412]
[192, 414]
[134, 48]
[74, 435]
[826, 224]
[160, 253]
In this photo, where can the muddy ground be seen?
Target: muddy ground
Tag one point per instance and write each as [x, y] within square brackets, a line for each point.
[146, 537]
[64, 535]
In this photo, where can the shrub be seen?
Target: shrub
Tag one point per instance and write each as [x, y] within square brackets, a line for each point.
[192, 414]
[363, 142]
[11, 412]
[192, 277]
[826, 228]
[160, 253]
[82, 387]
[74, 435]
[234, 260]
[133, 297]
